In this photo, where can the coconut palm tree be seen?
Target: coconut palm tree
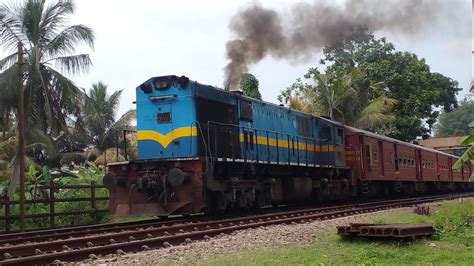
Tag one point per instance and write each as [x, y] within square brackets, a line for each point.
[99, 113]
[49, 46]
[331, 96]
[98, 122]
[341, 99]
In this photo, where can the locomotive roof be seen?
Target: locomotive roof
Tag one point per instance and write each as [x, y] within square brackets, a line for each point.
[239, 95]
[382, 137]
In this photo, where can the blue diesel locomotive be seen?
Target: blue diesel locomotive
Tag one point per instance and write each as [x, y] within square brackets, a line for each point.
[201, 148]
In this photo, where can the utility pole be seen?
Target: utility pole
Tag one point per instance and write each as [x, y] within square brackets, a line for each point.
[21, 136]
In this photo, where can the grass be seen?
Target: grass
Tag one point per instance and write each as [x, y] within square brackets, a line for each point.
[453, 243]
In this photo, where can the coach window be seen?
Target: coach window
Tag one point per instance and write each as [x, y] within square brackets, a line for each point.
[246, 111]
[375, 153]
[368, 151]
[339, 136]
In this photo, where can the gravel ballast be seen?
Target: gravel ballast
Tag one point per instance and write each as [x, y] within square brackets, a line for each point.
[222, 245]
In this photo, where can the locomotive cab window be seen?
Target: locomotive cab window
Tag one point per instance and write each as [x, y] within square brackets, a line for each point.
[246, 111]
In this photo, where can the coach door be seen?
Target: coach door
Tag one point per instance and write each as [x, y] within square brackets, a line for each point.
[419, 168]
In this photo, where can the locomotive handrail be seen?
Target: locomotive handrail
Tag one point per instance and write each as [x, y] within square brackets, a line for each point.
[290, 139]
[271, 131]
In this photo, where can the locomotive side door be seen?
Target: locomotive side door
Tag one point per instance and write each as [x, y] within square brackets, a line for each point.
[247, 132]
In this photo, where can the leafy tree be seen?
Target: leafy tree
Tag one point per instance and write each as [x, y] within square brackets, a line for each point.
[407, 78]
[456, 122]
[49, 45]
[249, 86]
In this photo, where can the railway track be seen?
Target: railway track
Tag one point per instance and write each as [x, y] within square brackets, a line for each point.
[133, 237]
[77, 231]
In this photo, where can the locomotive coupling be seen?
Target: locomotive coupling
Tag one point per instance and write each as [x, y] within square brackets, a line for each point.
[176, 177]
[110, 180]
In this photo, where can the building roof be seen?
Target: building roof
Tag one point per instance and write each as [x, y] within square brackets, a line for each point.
[443, 143]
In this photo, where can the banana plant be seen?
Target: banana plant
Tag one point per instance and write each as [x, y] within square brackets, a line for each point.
[468, 155]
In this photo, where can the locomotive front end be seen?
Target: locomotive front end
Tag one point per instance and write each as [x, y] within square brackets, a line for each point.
[166, 178]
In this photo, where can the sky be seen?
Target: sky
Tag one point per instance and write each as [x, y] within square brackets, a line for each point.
[140, 39]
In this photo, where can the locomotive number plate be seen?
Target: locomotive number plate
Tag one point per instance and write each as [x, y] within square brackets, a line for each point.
[163, 117]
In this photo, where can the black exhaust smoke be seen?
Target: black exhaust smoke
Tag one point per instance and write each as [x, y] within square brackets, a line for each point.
[308, 27]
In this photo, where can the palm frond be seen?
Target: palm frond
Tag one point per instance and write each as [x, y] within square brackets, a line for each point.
[11, 28]
[31, 20]
[38, 137]
[125, 120]
[376, 113]
[9, 86]
[66, 41]
[8, 61]
[54, 17]
[74, 64]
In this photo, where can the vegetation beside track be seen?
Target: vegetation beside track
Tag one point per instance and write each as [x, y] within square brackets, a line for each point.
[453, 243]
[36, 180]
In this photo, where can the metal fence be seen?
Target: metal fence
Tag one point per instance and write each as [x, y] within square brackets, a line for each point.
[53, 188]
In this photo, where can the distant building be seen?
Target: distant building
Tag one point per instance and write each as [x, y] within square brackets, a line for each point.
[446, 144]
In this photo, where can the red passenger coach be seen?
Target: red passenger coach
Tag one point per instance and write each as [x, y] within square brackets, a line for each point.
[384, 164]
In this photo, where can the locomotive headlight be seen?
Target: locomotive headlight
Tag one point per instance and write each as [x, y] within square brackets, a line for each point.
[161, 85]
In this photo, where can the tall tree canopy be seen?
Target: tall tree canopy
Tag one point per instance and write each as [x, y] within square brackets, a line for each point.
[404, 76]
[49, 45]
[456, 122]
[408, 79]
[249, 86]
